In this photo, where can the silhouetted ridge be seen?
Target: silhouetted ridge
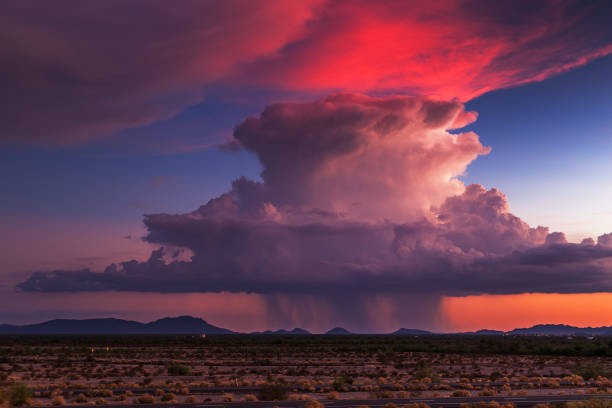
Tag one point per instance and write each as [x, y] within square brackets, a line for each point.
[411, 331]
[338, 330]
[562, 330]
[168, 325]
[297, 330]
[195, 325]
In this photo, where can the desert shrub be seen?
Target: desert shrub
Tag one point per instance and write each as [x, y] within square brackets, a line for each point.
[273, 392]
[487, 393]
[333, 395]
[250, 398]
[167, 397]
[228, 397]
[495, 376]
[593, 403]
[553, 384]
[191, 400]
[340, 384]
[58, 400]
[424, 370]
[299, 397]
[592, 371]
[176, 369]
[416, 405]
[100, 401]
[145, 399]
[390, 405]
[417, 386]
[81, 399]
[460, 393]
[402, 395]
[313, 404]
[483, 404]
[19, 394]
[383, 394]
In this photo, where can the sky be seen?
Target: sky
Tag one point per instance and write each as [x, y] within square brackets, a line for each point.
[272, 164]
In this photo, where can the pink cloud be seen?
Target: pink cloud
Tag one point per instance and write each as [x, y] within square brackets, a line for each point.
[72, 72]
[448, 49]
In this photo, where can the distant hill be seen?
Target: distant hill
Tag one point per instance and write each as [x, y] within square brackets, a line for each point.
[194, 325]
[297, 330]
[562, 330]
[485, 332]
[411, 331]
[338, 330]
[168, 325]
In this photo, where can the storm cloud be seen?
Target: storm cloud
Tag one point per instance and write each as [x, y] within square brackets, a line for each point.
[359, 195]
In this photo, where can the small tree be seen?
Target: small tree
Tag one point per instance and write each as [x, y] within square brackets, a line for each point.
[19, 395]
[176, 369]
[273, 392]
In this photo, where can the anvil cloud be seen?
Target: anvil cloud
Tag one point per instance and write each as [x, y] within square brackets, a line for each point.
[74, 71]
[358, 195]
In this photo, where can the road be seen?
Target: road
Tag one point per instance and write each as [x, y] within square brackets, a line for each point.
[525, 401]
[255, 389]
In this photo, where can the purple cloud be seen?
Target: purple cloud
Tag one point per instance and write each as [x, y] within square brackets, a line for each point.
[359, 195]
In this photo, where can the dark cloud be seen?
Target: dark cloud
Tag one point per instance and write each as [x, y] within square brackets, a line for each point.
[73, 71]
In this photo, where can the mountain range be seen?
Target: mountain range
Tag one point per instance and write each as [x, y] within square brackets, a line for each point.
[194, 325]
[167, 325]
[297, 330]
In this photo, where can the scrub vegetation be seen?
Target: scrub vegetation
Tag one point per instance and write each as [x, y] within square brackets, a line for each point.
[315, 369]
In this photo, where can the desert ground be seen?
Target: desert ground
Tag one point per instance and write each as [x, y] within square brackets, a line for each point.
[127, 370]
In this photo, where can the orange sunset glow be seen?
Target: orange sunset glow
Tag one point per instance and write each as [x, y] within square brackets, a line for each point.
[506, 312]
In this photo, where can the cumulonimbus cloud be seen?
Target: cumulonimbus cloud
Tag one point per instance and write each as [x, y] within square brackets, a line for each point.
[74, 71]
[359, 195]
